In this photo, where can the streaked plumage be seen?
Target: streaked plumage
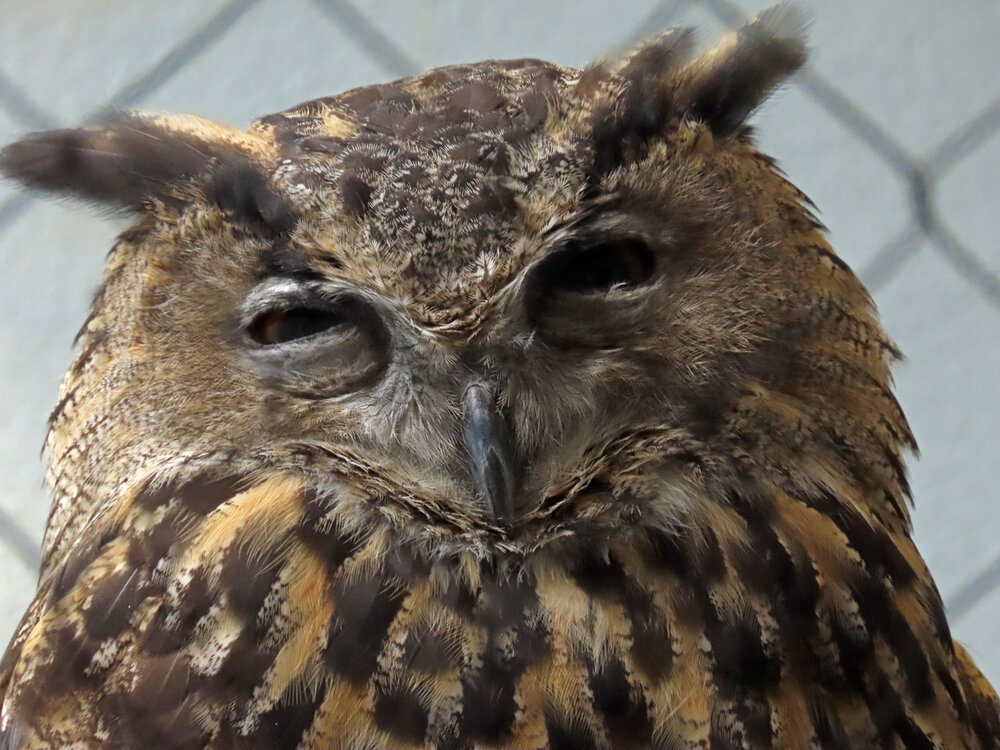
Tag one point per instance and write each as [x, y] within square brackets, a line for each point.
[508, 405]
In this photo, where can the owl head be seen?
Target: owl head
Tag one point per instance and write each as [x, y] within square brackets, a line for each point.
[489, 307]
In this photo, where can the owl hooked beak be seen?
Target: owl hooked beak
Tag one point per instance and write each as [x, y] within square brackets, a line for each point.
[488, 444]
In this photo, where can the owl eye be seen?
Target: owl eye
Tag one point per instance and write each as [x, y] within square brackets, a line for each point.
[624, 262]
[312, 338]
[280, 326]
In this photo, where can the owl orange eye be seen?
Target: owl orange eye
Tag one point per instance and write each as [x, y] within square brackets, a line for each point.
[280, 326]
[599, 268]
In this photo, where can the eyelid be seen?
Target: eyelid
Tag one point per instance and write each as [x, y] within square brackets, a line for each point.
[285, 292]
[355, 308]
[571, 268]
[341, 357]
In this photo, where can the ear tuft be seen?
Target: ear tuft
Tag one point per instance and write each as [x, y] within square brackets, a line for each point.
[724, 86]
[135, 159]
[649, 90]
[123, 164]
[643, 106]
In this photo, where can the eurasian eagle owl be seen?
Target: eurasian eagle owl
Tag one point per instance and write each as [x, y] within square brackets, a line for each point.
[508, 405]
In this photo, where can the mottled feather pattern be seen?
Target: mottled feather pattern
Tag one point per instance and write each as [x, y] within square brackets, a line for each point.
[807, 627]
[277, 544]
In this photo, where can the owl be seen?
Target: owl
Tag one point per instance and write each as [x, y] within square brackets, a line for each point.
[504, 406]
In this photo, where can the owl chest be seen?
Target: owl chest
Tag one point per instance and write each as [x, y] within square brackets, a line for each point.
[322, 640]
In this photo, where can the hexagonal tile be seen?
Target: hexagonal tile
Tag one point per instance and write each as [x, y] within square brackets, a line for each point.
[71, 57]
[16, 593]
[280, 53]
[10, 129]
[920, 69]
[949, 390]
[967, 201]
[858, 197]
[977, 631]
[568, 33]
[52, 257]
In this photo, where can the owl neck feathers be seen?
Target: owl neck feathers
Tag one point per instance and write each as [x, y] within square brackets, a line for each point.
[812, 406]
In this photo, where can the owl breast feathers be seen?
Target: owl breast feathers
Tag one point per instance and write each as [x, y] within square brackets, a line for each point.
[505, 406]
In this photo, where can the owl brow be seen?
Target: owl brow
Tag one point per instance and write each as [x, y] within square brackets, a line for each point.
[238, 186]
[592, 206]
[290, 260]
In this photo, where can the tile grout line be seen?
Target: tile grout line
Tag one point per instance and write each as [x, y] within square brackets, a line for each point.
[886, 262]
[183, 53]
[16, 102]
[657, 20]
[974, 591]
[19, 541]
[379, 46]
[14, 207]
[965, 140]
[967, 263]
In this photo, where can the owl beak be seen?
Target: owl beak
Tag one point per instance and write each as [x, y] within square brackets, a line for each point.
[487, 442]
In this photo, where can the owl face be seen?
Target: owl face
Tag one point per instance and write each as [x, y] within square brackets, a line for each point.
[506, 405]
[482, 292]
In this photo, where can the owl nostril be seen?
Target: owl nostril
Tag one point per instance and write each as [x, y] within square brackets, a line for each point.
[487, 442]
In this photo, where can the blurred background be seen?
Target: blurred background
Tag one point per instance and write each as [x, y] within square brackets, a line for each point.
[893, 130]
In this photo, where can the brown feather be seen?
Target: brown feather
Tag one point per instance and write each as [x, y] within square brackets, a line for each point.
[270, 541]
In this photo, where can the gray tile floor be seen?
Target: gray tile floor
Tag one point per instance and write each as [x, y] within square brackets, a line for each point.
[894, 131]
